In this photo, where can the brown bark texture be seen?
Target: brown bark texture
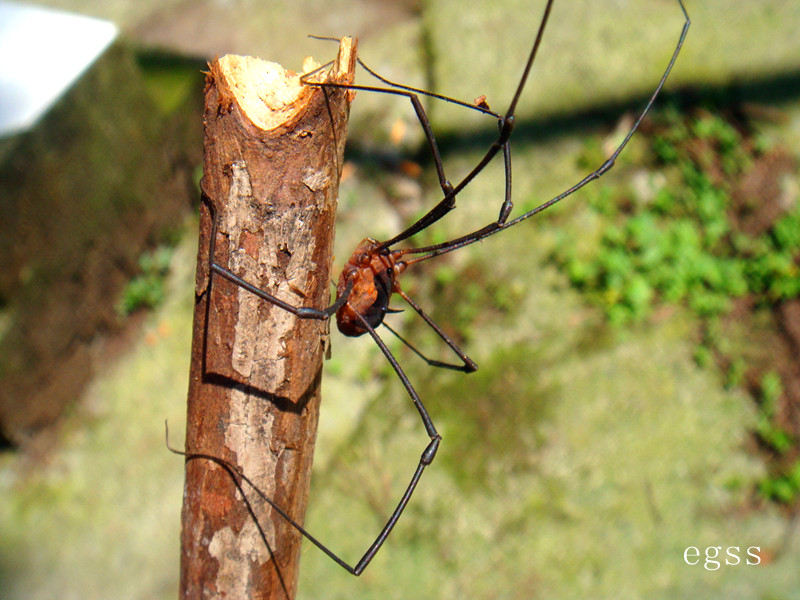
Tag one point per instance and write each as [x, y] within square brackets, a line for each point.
[273, 155]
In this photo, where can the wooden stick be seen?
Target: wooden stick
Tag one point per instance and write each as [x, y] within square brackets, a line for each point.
[273, 157]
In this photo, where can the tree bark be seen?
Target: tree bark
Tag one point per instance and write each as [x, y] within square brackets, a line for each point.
[273, 155]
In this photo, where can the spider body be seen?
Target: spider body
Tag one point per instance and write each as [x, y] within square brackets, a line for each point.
[374, 279]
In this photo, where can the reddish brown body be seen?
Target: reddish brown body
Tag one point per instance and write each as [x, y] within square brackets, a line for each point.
[374, 276]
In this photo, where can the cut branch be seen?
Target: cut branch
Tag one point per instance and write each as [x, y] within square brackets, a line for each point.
[273, 156]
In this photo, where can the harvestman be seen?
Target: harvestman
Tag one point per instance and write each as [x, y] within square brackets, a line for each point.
[370, 275]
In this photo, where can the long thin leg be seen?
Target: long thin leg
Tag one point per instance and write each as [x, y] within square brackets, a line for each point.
[492, 228]
[481, 108]
[425, 459]
[237, 477]
[505, 208]
[413, 95]
[303, 312]
[449, 201]
[467, 366]
[506, 126]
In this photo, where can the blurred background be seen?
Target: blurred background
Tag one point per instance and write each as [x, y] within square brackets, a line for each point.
[639, 383]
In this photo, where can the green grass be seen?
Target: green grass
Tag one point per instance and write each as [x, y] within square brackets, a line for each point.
[147, 289]
[679, 246]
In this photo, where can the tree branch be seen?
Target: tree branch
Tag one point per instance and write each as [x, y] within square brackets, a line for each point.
[273, 156]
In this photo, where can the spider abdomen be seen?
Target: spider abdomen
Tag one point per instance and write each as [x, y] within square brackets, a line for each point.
[374, 275]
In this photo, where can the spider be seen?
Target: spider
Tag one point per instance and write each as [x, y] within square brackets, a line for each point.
[370, 276]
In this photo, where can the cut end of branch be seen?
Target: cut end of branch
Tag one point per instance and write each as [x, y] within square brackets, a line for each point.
[269, 95]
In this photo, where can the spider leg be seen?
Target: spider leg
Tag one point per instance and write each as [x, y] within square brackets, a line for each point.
[303, 312]
[426, 458]
[468, 365]
[237, 476]
[422, 116]
[506, 127]
[449, 201]
[508, 205]
[492, 228]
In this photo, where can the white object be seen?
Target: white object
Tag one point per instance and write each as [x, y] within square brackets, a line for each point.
[42, 53]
